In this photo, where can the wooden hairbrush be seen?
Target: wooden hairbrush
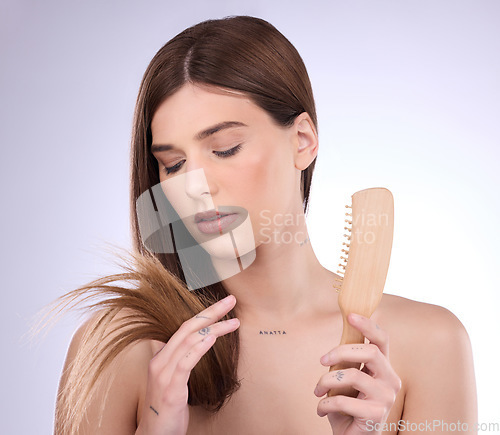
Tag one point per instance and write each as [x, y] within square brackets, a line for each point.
[363, 268]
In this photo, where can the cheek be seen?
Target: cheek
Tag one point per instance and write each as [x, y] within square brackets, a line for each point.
[254, 180]
[263, 184]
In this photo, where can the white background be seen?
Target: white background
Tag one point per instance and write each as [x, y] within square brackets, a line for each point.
[408, 98]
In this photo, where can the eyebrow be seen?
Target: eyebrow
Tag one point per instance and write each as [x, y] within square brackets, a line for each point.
[156, 148]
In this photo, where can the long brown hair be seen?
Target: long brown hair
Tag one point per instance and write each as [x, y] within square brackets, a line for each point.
[241, 53]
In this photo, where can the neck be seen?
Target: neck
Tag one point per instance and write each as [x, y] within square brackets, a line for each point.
[284, 281]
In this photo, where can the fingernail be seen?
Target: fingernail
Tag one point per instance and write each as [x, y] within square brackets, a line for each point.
[355, 317]
[234, 321]
[325, 358]
[228, 300]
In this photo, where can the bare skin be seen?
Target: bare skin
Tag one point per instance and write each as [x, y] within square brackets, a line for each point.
[429, 350]
[276, 394]
[419, 361]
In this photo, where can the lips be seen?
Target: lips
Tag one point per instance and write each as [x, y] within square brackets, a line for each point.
[218, 225]
[217, 221]
[210, 215]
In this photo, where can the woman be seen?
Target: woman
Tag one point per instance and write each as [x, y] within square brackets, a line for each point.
[225, 142]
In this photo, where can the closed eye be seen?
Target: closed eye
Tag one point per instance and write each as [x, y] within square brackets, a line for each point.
[229, 152]
[226, 153]
[172, 169]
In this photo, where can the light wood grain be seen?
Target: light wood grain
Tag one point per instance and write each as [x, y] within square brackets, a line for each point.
[367, 264]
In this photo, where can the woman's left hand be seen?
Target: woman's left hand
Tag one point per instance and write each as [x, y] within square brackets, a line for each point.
[377, 383]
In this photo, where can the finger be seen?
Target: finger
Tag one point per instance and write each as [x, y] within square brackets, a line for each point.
[157, 346]
[169, 366]
[371, 388]
[183, 369]
[350, 406]
[338, 379]
[217, 329]
[209, 315]
[202, 320]
[175, 392]
[369, 354]
[376, 364]
[371, 331]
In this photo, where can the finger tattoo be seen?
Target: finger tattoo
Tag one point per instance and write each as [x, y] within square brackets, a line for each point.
[154, 410]
[199, 316]
[339, 375]
[204, 331]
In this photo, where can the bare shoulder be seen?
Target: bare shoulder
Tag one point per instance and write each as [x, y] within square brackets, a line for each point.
[430, 350]
[120, 384]
[423, 337]
[130, 356]
[419, 321]
[113, 327]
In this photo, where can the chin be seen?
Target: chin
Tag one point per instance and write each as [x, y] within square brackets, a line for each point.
[234, 250]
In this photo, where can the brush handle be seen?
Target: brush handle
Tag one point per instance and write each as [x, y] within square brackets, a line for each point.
[366, 265]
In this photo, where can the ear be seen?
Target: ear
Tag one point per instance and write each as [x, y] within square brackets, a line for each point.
[306, 140]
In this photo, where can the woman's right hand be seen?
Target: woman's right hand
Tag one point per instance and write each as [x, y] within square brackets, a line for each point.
[165, 410]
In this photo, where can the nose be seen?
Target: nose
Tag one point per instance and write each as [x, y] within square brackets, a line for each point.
[196, 183]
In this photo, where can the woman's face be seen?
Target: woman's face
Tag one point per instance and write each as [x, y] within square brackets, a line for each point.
[220, 153]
